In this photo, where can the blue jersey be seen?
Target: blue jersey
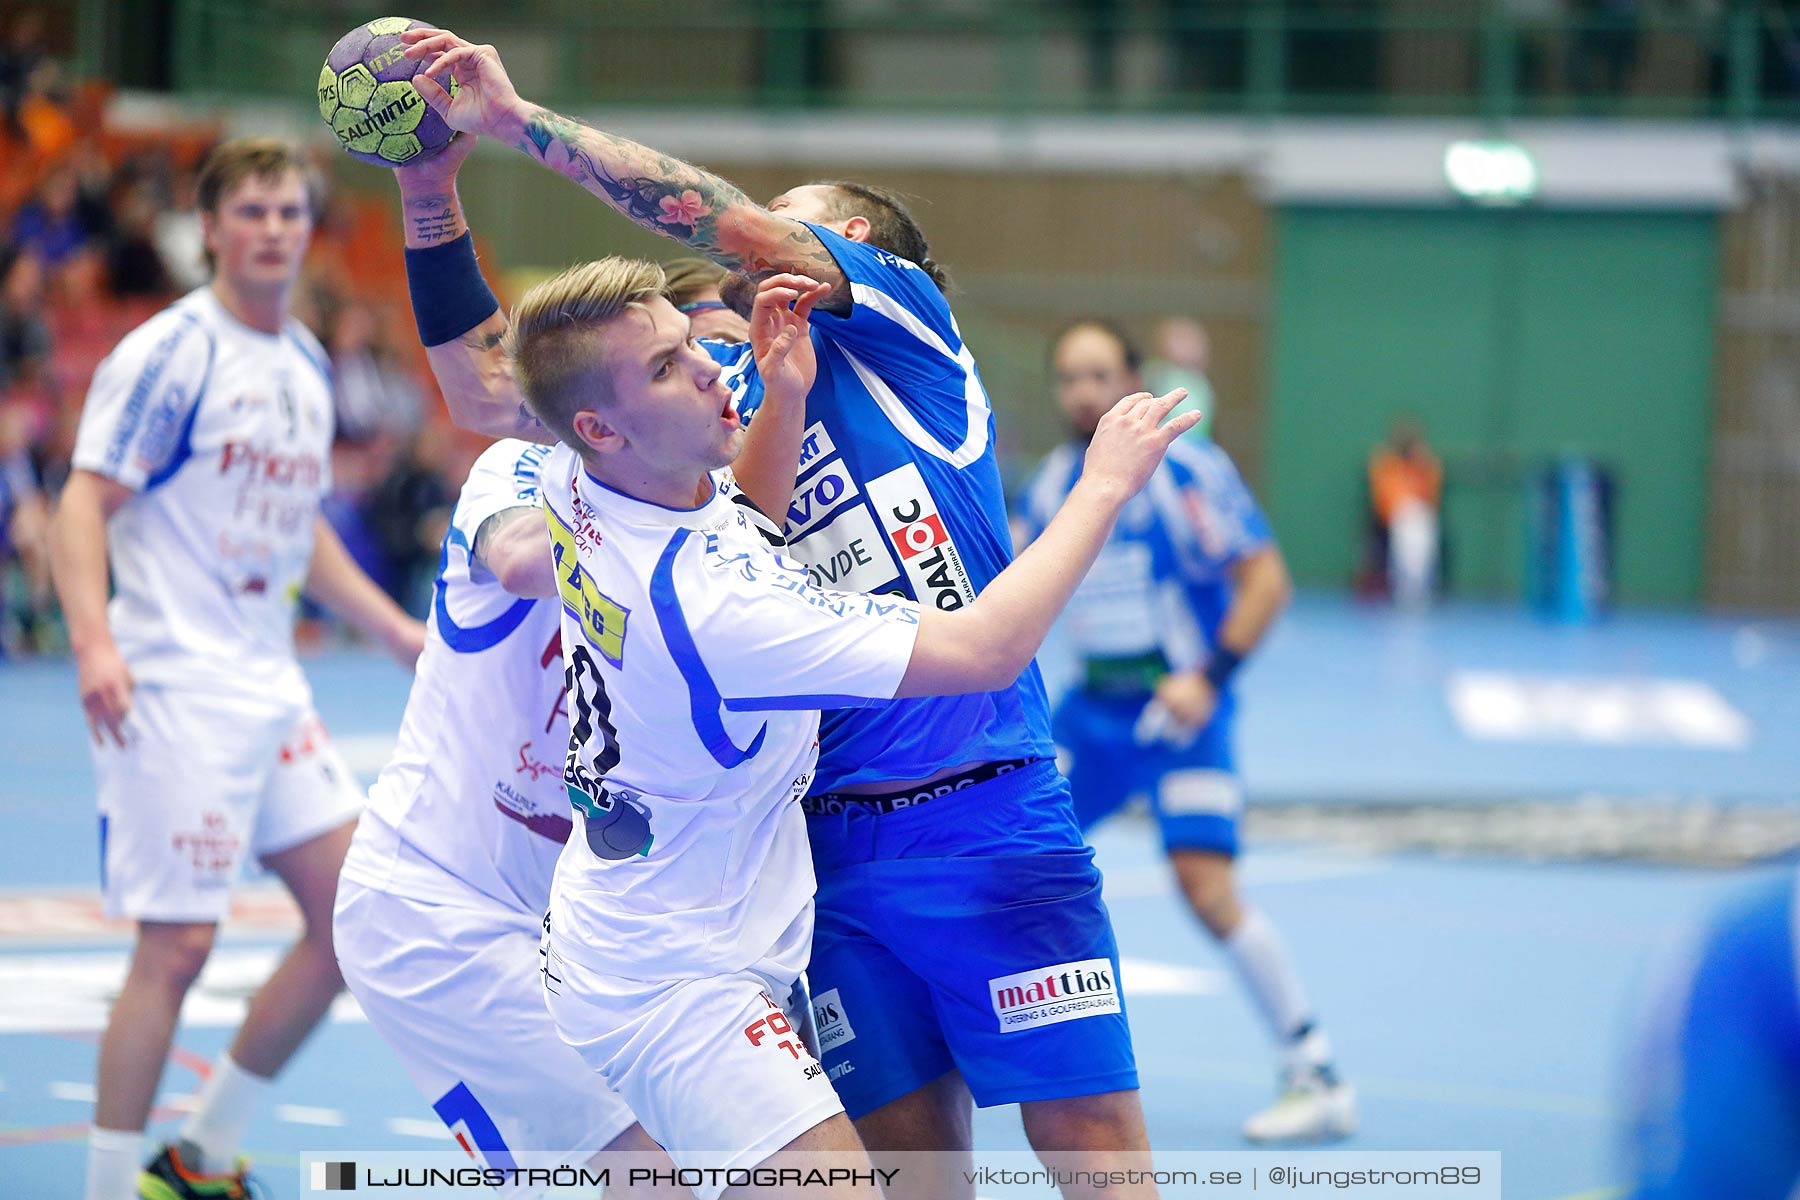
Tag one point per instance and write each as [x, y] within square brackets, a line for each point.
[898, 491]
[1155, 598]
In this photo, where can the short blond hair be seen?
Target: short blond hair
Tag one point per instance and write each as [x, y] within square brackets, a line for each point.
[555, 343]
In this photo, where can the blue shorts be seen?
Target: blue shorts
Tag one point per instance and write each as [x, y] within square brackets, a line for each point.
[1718, 1090]
[1194, 790]
[966, 934]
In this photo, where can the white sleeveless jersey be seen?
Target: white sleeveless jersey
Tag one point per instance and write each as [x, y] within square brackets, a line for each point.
[473, 799]
[697, 662]
[225, 433]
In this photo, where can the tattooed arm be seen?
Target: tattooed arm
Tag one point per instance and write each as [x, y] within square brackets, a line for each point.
[663, 194]
[471, 371]
[478, 384]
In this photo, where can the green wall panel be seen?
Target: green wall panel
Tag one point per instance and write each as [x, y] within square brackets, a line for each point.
[1513, 337]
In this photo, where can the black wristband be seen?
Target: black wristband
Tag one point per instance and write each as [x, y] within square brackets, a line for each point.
[1221, 667]
[449, 296]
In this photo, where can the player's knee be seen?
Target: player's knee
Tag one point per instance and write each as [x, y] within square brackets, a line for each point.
[1219, 911]
[1206, 879]
[1107, 1122]
[172, 956]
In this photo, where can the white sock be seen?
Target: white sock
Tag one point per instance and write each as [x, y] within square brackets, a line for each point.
[1309, 1054]
[1263, 963]
[227, 1103]
[115, 1156]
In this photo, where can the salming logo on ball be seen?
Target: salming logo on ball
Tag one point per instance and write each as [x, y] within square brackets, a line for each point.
[367, 97]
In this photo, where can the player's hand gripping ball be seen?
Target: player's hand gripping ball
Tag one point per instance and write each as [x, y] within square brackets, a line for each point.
[367, 97]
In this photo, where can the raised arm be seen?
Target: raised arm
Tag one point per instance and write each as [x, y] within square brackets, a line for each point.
[985, 646]
[471, 371]
[662, 194]
[780, 340]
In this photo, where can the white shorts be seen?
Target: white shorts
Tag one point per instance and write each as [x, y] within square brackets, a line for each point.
[455, 992]
[201, 780]
[715, 1068]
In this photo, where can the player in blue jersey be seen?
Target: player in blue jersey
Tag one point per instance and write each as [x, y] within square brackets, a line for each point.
[1185, 589]
[1715, 1098]
[957, 901]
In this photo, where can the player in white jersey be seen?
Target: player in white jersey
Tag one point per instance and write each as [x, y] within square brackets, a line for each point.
[201, 459]
[681, 911]
[441, 901]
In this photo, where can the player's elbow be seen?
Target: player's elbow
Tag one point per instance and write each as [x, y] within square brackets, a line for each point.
[86, 499]
[956, 654]
[526, 575]
[751, 233]
[993, 659]
[469, 412]
[1279, 583]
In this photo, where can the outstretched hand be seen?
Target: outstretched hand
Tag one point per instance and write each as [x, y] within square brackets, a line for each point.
[463, 83]
[1131, 440]
[437, 171]
[779, 332]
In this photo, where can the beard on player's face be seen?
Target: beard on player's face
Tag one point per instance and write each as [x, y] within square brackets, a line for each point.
[738, 292]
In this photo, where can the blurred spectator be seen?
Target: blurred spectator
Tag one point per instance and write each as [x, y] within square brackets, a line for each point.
[356, 467]
[1182, 355]
[178, 235]
[134, 265]
[34, 111]
[53, 223]
[24, 338]
[693, 287]
[94, 183]
[404, 516]
[1406, 487]
[375, 396]
[1604, 44]
[26, 610]
[22, 67]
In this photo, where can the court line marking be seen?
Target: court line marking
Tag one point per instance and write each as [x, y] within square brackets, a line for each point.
[1556, 1103]
[1136, 883]
[306, 1114]
[69, 1131]
[413, 1127]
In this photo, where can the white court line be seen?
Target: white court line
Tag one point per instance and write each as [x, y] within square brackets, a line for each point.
[1435, 1092]
[1254, 872]
[413, 1127]
[185, 1102]
[62, 1089]
[302, 1114]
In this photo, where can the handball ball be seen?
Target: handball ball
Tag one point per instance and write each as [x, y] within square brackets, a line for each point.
[367, 97]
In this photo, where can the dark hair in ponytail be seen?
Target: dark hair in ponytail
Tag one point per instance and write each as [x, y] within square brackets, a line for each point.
[891, 225]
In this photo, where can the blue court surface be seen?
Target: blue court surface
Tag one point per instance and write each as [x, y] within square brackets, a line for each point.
[1478, 1000]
